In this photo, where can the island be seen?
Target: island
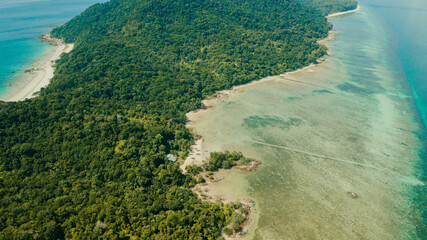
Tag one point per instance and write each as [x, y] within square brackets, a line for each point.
[88, 158]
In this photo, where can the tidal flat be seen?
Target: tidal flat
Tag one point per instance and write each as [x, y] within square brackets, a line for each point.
[347, 125]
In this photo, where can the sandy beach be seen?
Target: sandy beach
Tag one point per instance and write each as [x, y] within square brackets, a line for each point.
[39, 74]
[343, 13]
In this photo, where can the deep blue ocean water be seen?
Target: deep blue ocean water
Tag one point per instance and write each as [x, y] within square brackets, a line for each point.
[21, 22]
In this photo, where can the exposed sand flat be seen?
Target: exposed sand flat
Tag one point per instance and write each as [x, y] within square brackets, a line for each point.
[196, 156]
[39, 74]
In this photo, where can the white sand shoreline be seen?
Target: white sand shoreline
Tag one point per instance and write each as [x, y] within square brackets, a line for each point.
[39, 74]
[343, 13]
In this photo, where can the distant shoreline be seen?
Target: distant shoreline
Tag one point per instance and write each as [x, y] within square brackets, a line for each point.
[343, 13]
[39, 73]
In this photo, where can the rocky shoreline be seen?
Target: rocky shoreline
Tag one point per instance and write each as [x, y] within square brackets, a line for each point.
[52, 41]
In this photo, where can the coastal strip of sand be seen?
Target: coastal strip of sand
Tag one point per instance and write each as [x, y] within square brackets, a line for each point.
[343, 13]
[39, 74]
[214, 190]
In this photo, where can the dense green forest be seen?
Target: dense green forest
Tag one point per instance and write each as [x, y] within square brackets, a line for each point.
[87, 158]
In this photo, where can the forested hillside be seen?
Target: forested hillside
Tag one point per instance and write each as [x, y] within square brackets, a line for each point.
[87, 158]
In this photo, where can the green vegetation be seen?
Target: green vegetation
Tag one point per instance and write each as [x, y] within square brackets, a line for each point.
[193, 169]
[87, 159]
[225, 160]
[216, 161]
[227, 231]
[330, 6]
[237, 218]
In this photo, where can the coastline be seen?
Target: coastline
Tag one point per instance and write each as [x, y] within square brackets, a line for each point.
[212, 190]
[39, 73]
[343, 13]
[223, 94]
[197, 153]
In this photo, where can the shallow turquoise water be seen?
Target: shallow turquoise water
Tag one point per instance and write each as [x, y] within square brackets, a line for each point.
[21, 22]
[406, 25]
